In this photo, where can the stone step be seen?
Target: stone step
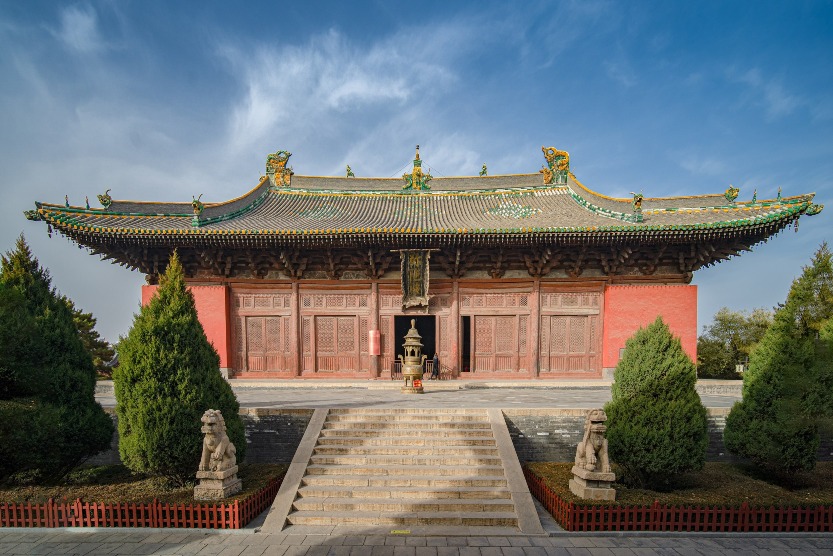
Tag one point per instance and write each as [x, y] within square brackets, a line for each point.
[392, 482]
[411, 417]
[405, 492]
[369, 411]
[406, 470]
[415, 426]
[465, 442]
[425, 433]
[421, 461]
[470, 519]
[387, 450]
[396, 505]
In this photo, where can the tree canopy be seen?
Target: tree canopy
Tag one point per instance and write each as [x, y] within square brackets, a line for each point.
[51, 416]
[168, 376]
[729, 340]
[657, 426]
[786, 389]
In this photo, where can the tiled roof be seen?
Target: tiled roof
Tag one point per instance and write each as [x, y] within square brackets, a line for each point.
[512, 204]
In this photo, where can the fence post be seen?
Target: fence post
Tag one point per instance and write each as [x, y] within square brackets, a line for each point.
[654, 516]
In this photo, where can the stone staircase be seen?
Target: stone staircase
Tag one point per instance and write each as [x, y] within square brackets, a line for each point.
[405, 468]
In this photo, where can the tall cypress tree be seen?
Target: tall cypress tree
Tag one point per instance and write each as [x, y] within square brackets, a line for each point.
[776, 425]
[168, 376]
[100, 350]
[657, 426]
[65, 384]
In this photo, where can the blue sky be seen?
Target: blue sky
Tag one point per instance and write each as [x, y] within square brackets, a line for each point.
[168, 100]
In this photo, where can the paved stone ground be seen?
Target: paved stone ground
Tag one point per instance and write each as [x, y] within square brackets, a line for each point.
[153, 541]
[290, 394]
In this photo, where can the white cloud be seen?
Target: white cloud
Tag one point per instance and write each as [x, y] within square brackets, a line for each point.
[771, 94]
[702, 165]
[79, 29]
[621, 72]
[288, 91]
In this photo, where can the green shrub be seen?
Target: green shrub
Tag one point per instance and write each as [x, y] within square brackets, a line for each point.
[168, 376]
[728, 341]
[21, 350]
[771, 426]
[55, 372]
[786, 388]
[657, 427]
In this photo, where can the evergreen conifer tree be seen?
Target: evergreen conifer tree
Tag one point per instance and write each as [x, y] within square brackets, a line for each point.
[776, 425]
[657, 427]
[168, 376]
[63, 416]
[99, 348]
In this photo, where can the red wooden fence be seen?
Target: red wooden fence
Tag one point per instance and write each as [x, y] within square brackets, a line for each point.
[232, 515]
[661, 517]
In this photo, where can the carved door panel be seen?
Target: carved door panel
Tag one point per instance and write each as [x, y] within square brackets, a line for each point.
[572, 343]
[264, 344]
[444, 337]
[387, 349]
[336, 342]
[495, 343]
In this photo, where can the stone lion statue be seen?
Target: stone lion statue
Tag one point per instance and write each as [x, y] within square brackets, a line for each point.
[591, 452]
[218, 453]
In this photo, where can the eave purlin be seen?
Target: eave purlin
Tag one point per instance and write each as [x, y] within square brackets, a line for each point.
[752, 236]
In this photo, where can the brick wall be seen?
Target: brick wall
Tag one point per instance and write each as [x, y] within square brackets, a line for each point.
[553, 434]
[272, 435]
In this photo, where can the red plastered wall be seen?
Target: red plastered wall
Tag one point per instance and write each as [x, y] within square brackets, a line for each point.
[628, 308]
[212, 310]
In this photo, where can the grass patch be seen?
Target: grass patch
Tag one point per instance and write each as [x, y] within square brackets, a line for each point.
[720, 484]
[115, 483]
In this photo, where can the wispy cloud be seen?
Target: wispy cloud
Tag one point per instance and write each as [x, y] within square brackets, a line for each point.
[621, 72]
[294, 89]
[79, 29]
[702, 165]
[769, 93]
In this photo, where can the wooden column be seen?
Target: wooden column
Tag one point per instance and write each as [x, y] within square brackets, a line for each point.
[374, 325]
[534, 342]
[454, 328]
[295, 329]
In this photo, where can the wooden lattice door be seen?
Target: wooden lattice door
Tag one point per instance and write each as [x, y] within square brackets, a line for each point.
[495, 343]
[571, 342]
[266, 344]
[336, 343]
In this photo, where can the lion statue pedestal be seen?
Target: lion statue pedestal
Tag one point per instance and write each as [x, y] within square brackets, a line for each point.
[592, 477]
[218, 466]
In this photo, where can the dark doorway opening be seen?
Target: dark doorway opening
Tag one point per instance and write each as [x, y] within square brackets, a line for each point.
[426, 325]
[466, 352]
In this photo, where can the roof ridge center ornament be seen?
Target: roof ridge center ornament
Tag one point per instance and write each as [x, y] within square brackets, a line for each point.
[558, 165]
[279, 174]
[416, 180]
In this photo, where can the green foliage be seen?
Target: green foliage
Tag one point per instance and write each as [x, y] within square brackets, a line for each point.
[786, 391]
[657, 427]
[100, 350]
[21, 351]
[168, 376]
[810, 299]
[729, 340]
[53, 369]
[771, 426]
[28, 427]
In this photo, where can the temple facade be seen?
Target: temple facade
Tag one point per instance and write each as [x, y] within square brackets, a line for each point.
[527, 276]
